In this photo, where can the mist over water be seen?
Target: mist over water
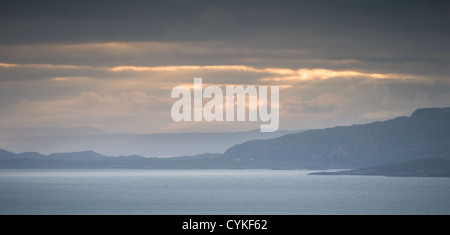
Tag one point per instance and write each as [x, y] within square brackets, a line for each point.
[216, 192]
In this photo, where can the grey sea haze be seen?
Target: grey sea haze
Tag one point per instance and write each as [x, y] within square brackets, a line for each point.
[216, 192]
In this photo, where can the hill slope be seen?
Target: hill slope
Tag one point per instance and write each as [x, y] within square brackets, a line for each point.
[426, 134]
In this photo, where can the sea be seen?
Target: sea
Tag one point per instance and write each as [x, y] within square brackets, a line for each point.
[216, 192]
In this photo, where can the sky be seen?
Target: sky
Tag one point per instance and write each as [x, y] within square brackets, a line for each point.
[112, 64]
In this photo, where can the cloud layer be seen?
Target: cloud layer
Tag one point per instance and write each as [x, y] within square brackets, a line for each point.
[137, 98]
[112, 65]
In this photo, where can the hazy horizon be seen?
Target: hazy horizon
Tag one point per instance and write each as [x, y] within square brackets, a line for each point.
[30, 131]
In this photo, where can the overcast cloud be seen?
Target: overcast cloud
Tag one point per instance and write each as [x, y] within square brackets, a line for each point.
[112, 64]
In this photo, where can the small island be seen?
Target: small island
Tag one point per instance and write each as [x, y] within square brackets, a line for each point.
[428, 167]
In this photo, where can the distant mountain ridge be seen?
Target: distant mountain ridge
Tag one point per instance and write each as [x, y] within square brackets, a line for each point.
[50, 131]
[149, 145]
[75, 156]
[423, 135]
[93, 160]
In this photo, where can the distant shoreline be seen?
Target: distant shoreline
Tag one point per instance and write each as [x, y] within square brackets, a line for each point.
[428, 167]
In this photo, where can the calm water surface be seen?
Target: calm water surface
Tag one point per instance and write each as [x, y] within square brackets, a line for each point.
[216, 192]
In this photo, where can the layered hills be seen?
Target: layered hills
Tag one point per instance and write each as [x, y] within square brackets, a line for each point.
[403, 140]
